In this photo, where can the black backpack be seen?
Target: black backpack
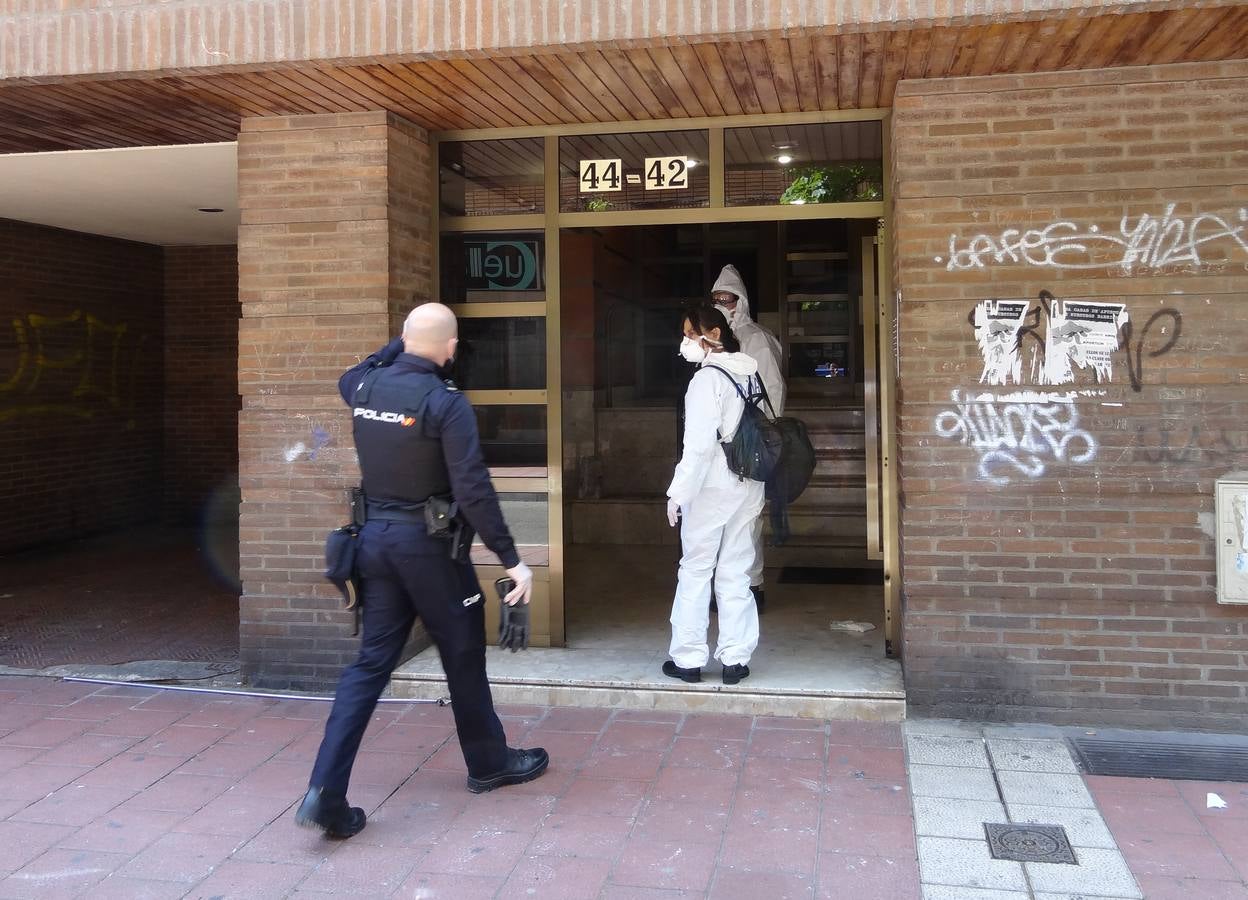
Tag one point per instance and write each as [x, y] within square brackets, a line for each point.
[754, 451]
[778, 449]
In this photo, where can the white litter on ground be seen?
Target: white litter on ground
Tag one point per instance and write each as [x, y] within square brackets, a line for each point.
[851, 626]
[1213, 801]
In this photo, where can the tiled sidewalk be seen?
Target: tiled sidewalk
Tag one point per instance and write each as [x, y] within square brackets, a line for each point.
[1133, 837]
[966, 775]
[1179, 848]
[134, 793]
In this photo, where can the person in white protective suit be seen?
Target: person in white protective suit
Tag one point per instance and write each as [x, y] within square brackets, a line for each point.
[715, 507]
[729, 296]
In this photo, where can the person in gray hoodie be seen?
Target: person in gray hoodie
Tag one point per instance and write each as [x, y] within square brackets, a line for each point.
[730, 298]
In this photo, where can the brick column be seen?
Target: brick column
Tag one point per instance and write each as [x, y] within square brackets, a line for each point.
[333, 248]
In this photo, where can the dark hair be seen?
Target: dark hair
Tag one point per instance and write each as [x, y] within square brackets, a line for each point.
[704, 317]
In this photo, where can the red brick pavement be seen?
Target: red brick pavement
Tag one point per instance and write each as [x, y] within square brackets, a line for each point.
[1178, 848]
[133, 792]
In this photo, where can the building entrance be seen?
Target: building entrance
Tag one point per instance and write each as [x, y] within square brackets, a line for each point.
[569, 258]
[623, 292]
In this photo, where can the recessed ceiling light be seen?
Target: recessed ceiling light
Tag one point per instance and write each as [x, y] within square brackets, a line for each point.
[211, 209]
[690, 162]
[784, 159]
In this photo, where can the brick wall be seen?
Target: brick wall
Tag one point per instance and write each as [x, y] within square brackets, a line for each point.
[1058, 557]
[80, 384]
[318, 213]
[201, 380]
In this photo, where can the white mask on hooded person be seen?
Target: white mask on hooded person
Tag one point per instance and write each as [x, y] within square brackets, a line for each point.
[726, 311]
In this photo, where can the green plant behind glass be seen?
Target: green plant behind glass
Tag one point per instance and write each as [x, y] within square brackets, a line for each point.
[839, 183]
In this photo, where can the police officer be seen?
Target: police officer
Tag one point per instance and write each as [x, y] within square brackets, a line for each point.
[416, 437]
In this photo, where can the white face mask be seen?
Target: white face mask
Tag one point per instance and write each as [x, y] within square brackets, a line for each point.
[694, 351]
[726, 311]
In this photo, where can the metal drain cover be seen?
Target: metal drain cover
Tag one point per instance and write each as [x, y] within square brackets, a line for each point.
[1030, 843]
[1194, 757]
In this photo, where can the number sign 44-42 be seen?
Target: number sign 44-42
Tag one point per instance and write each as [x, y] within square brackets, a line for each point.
[601, 175]
[665, 173]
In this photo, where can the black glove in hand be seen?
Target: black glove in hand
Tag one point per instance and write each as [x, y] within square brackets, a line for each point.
[513, 621]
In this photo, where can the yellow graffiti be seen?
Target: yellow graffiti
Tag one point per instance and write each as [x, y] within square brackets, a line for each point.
[81, 344]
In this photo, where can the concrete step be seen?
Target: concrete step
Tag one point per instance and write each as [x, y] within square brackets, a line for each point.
[844, 418]
[847, 551]
[707, 697]
[825, 522]
[833, 491]
[638, 520]
[836, 439]
[841, 466]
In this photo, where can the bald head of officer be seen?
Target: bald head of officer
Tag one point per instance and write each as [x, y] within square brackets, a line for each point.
[430, 331]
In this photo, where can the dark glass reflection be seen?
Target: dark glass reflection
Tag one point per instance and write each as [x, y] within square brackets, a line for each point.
[501, 354]
[512, 435]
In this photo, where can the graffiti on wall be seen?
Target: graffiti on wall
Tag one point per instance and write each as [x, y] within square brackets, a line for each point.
[1175, 442]
[1043, 345]
[317, 441]
[1167, 326]
[1139, 245]
[1017, 433]
[76, 365]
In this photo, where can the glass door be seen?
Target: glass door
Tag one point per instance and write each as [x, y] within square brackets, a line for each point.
[495, 269]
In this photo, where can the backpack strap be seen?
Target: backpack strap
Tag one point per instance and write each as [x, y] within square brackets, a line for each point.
[733, 381]
[763, 390]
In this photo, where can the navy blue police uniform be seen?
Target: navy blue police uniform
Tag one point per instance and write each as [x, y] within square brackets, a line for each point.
[416, 437]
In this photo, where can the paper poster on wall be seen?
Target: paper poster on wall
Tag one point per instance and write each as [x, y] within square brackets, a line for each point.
[1081, 335]
[997, 325]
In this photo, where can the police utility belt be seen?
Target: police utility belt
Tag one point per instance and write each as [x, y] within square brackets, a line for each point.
[439, 515]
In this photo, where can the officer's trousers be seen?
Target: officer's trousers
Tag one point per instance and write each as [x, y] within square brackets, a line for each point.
[405, 574]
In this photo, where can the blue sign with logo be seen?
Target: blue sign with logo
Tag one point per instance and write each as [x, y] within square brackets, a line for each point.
[503, 264]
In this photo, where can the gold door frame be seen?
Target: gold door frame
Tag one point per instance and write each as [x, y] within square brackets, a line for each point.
[551, 221]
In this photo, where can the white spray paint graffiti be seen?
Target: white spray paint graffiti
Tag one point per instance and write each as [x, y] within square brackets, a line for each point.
[1018, 433]
[1149, 243]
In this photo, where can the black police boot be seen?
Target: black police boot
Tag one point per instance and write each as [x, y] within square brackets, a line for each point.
[671, 670]
[522, 766]
[759, 599]
[330, 814]
[733, 674]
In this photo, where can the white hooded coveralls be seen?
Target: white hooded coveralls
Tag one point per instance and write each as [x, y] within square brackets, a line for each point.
[718, 510]
[764, 348]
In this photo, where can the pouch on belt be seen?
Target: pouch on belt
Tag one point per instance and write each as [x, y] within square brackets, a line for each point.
[340, 549]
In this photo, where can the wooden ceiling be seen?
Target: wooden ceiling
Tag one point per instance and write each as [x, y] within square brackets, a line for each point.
[799, 73]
